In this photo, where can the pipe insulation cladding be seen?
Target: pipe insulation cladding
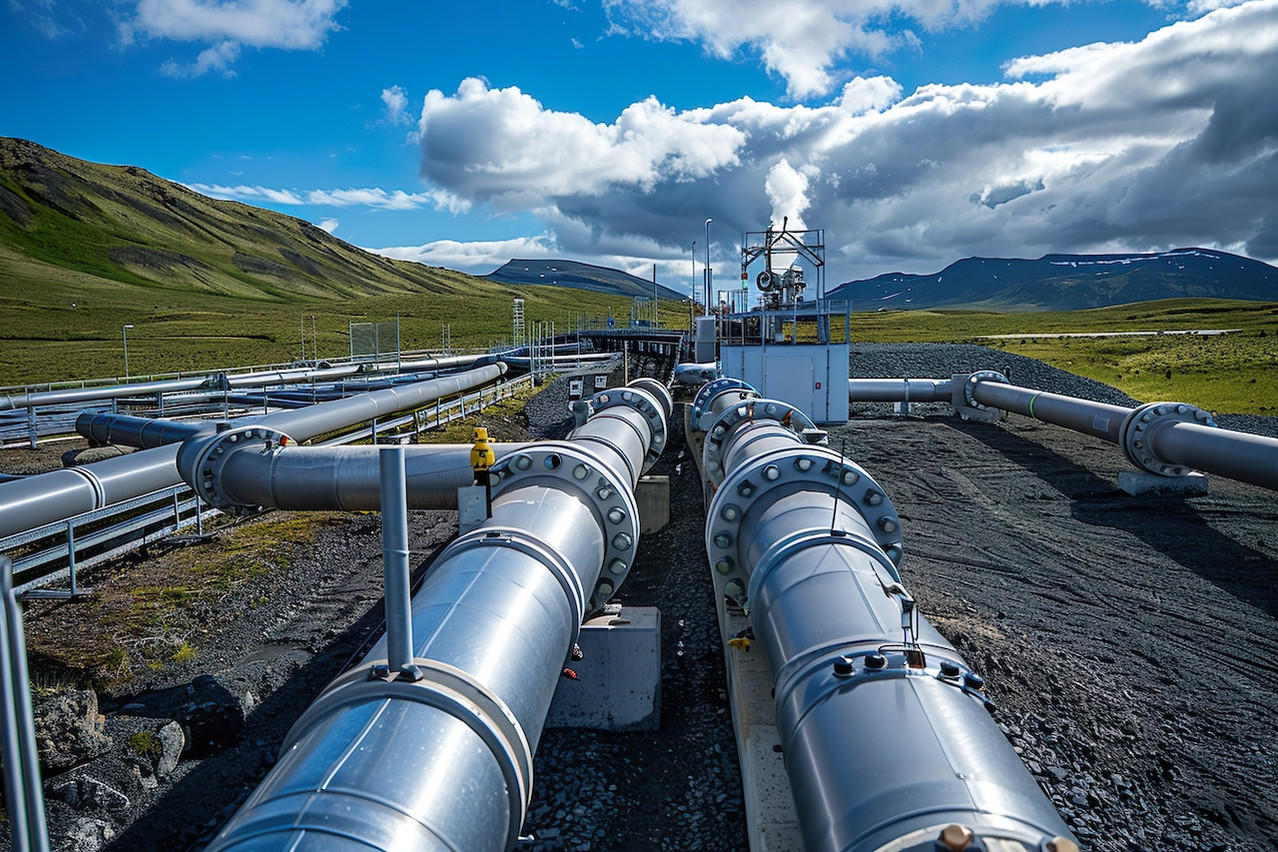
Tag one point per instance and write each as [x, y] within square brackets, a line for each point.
[887, 735]
[48, 497]
[441, 757]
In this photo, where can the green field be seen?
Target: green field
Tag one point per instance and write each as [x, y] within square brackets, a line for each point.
[1233, 373]
[44, 339]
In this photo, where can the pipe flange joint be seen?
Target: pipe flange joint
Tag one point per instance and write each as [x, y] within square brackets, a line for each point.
[213, 453]
[452, 691]
[806, 468]
[659, 392]
[570, 466]
[646, 404]
[1136, 433]
[702, 402]
[724, 422]
[970, 382]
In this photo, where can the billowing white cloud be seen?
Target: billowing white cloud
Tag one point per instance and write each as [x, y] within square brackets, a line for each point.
[801, 42]
[479, 256]
[375, 197]
[1164, 142]
[229, 24]
[504, 147]
[328, 225]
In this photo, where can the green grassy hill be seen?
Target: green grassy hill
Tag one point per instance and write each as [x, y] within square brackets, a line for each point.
[87, 248]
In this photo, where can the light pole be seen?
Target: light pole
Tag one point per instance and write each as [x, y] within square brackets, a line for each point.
[692, 301]
[124, 334]
[708, 272]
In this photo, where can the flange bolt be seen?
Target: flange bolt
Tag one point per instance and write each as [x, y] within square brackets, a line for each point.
[956, 837]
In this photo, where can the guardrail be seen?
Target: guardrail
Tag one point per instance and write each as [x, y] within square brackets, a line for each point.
[55, 552]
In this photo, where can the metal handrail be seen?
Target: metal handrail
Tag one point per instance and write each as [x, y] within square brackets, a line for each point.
[176, 508]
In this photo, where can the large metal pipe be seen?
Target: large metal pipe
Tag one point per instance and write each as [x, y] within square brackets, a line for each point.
[445, 761]
[48, 497]
[887, 740]
[1081, 415]
[1165, 438]
[293, 477]
[899, 390]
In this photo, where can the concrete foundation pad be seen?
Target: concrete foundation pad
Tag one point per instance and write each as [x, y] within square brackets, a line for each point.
[618, 685]
[1140, 484]
[771, 822]
[652, 495]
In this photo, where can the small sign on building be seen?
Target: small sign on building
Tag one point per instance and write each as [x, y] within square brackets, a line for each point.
[574, 389]
[601, 382]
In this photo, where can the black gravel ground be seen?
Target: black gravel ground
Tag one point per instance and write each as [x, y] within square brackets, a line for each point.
[1128, 641]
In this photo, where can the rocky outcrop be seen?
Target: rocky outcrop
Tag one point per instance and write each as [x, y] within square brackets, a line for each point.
[69, 729]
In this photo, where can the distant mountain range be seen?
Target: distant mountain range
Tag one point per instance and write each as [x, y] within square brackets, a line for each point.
[584, 276]
[1061, 282]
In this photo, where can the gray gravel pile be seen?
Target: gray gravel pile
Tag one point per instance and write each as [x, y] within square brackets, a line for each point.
[942, 360]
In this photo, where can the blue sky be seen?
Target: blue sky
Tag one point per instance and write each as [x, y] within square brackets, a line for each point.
[915, 132]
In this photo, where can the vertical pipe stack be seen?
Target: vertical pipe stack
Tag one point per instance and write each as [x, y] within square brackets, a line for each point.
[887, 738]
[441, 758]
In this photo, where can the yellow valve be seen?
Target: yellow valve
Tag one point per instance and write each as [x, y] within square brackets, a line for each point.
[481, 455]
[740, 643]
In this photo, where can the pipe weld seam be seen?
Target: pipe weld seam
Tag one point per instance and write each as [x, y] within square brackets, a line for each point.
[800, 666]
[99, 490]
[602, 441]
[452, 691]
[552, 561]
[818, 684]
[644, 403]
[785, 548]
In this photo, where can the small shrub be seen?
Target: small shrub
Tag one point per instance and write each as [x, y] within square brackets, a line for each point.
[145, 744]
